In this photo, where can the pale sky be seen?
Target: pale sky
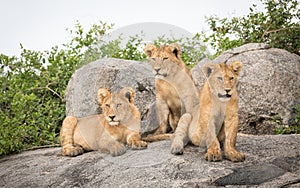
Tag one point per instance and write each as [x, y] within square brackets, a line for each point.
[41, 24]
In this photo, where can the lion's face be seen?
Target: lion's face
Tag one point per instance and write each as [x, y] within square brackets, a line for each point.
[222, 78]
[163, 59]
[116, 106]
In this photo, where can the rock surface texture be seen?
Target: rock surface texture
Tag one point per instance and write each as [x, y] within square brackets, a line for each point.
[269, 86]
[271, 161]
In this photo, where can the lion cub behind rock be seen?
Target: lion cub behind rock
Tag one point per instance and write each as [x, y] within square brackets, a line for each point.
[217, 118]
[108, 132]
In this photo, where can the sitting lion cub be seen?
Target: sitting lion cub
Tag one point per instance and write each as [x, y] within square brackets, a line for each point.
[217, 118]
[108, 132]
[176, 93]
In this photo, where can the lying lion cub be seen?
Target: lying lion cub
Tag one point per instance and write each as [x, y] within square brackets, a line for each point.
[217, 118]
[108, 132]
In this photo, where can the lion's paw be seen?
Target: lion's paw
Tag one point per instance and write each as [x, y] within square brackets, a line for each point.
[213, 155]
[138, 145]
[235, 156]
[72, 151]
[117, 149]
[177, 148]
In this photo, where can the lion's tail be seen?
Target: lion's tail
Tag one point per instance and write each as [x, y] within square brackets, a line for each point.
[158, 137]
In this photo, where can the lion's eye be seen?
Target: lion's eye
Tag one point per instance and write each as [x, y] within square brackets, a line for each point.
[220, 78]
[119, 105]
[107, 105]
[231, 78]
[153, 59]
[165, 58]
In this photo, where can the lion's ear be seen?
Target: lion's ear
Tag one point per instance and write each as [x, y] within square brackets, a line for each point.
[208, 68]
[236, 67]
[103, 93]
[149, 49]
[176, 49]
[129, 94]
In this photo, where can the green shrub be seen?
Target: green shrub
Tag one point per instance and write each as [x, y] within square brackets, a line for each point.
[278, 25]
[33, 88]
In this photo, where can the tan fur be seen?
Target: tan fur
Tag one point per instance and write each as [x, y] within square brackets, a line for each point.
[172, 80]
[217, 118]
[108, 132]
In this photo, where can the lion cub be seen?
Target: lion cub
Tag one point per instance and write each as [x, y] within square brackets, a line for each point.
[176, 93]
[108, 132]
[216, 120]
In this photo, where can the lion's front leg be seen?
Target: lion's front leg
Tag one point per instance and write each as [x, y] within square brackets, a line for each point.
[134, 141]
[214, 151]
[213, 145]
[109, 144]
[180, 138]
[230, 130]
[117, 149]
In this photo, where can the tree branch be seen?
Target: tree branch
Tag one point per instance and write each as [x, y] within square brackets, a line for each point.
[281, 29]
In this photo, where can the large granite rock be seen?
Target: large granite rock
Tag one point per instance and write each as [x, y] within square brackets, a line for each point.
[269, 86]
[113, 74]
[271, 161]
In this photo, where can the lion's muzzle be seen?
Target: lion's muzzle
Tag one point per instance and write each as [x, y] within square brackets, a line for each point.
[112, 120]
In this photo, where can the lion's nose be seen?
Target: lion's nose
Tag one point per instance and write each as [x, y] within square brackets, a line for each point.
[157, 69]
[227, 90]
[112, 117]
